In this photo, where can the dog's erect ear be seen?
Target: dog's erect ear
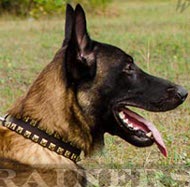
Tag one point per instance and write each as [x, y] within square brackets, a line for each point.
[69, 23]
[82, 37]
[80, 57]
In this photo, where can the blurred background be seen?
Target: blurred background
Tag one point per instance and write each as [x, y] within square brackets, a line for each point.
[37, 8]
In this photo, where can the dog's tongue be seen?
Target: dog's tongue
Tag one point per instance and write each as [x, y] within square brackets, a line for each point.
[156, 134]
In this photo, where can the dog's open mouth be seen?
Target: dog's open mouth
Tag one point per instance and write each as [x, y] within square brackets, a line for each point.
[141, 131]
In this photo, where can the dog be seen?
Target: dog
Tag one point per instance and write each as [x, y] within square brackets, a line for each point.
[82, 94]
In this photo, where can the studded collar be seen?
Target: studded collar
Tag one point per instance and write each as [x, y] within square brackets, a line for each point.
[29, 129]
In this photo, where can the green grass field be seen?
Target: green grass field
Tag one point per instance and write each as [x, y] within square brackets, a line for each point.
[153, 32]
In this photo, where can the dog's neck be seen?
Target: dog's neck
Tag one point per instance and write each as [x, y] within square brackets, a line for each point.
[54, 107]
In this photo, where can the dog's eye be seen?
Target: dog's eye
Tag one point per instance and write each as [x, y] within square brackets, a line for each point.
[129, 69]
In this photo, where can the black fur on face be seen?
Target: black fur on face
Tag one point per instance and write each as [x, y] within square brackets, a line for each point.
[107, 80]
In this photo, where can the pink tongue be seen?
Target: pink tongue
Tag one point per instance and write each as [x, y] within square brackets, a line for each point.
[157, 136]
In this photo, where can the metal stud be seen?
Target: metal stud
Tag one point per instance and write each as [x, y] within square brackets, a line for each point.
[73, 156]
[19, 129]
[67, 154]
[43, 142]
[35, 138]
[13, 126]
[49, 132]
[52, 146]
[56, 135]
[7, 124]
[33, 123]
[27, 134]
[60, 150]
[26, 119]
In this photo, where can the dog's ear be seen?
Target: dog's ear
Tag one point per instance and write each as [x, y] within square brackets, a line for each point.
[80, 59]
[69, 23]
[82, 37]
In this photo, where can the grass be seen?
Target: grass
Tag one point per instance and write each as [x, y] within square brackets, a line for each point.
[153, 32]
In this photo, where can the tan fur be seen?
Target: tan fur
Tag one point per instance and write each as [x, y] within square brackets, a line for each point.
[53, 105]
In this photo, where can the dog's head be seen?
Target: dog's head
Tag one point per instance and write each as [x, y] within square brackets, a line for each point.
[106, 81]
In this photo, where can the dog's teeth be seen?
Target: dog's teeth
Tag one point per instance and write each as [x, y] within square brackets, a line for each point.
[149, 134]
[125, 120]
[136, 128]
[130, 125]
[122, 115]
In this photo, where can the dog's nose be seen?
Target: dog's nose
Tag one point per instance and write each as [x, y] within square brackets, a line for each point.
[181, 93]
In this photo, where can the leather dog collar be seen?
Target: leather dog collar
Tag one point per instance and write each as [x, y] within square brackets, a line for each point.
[30, 130]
